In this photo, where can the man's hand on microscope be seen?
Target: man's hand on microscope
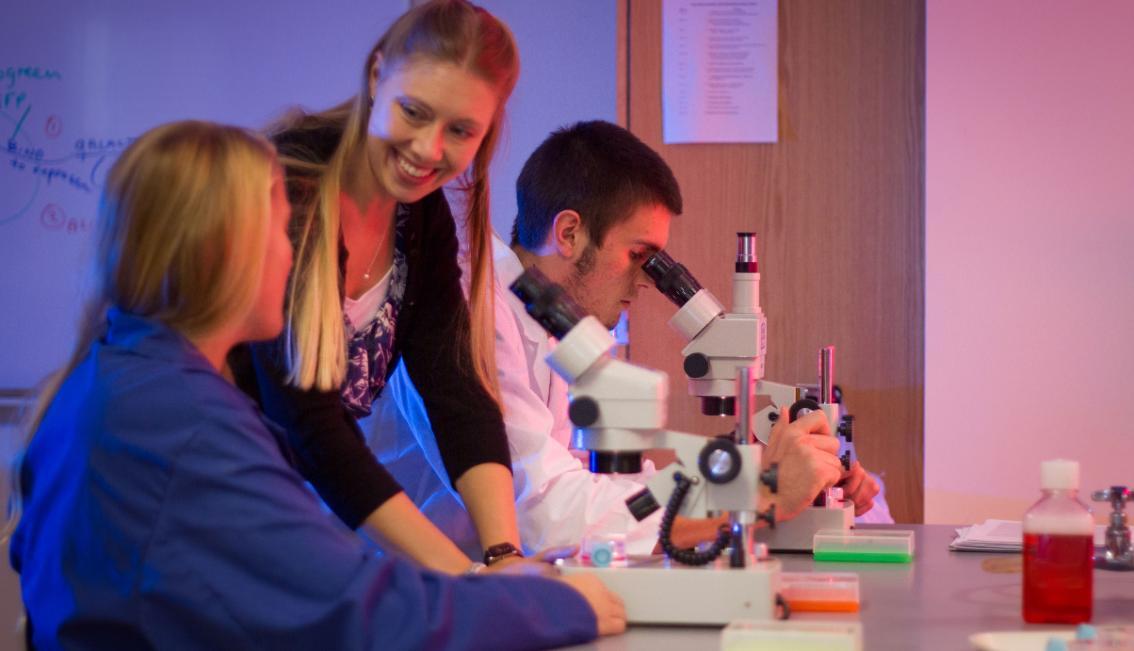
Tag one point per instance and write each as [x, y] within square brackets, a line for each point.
[859, 487]
[808, 461]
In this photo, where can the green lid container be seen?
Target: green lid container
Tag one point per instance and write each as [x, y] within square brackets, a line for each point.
[856, 546]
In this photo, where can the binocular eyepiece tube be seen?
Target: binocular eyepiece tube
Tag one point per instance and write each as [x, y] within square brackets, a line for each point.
[547, 303]
[671, 278]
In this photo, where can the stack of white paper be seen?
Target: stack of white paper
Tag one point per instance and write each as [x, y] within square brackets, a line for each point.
[1001, 536]
[990, 536]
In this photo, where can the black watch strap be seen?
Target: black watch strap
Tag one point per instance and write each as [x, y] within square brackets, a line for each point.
[500, 552]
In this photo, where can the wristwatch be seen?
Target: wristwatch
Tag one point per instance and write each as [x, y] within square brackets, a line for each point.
[499, 552]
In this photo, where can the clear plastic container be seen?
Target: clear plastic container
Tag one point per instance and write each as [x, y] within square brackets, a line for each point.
[863, 545]
[604, 551]
[797, 635]
[1058, 550]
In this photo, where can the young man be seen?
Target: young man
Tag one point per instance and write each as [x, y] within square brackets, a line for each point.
[594, 203]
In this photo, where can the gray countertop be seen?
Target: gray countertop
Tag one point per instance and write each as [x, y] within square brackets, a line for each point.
[936, 602]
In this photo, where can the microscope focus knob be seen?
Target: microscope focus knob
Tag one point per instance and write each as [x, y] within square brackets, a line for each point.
[719, 461]
[696, 365]
[771, 478]
[802, 408]
[583, 411]
[768, 516]
[846, 428]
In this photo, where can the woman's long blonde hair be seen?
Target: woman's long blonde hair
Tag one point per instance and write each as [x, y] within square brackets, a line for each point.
[183, 230]
[449, 31]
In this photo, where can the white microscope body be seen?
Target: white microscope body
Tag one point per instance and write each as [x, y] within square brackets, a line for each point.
[720, 344]
[619, 411]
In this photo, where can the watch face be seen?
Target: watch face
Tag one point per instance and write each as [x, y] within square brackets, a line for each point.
[501, 551]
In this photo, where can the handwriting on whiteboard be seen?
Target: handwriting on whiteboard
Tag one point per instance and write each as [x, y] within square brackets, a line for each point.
[13, 74]
[44, 169]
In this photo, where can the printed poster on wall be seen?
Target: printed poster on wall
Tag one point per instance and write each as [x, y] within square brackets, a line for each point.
[719, 63]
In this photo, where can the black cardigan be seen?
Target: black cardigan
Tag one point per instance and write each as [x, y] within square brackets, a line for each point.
[431, 336]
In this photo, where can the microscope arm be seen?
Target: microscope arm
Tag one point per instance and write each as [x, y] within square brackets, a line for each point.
[782, 396]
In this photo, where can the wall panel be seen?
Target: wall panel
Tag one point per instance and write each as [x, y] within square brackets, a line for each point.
[838, 204]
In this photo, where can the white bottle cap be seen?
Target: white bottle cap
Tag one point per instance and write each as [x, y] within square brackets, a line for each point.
[1059, 475]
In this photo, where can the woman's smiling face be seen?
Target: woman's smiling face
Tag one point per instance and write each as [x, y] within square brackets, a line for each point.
[427, 123]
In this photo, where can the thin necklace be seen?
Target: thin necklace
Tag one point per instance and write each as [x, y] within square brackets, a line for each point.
[362, 217]
[377, 247]
[373, 258]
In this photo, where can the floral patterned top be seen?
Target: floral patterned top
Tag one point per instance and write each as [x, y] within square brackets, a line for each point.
[371, 345]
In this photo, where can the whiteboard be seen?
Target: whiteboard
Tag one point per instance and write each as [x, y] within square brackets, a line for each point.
[80, 80]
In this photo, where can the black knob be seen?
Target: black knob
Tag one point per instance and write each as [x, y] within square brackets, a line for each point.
[642, 504]
[583, 411]
[771, 478]
[696, 365]
[719, 461]
[802, 408]
[846, 428]
[773, 416]
[768, 516]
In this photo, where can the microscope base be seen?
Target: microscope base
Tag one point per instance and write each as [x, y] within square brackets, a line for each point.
[798, 534]
[659, 591]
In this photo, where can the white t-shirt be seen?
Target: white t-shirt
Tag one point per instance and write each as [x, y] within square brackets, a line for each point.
[364, 309]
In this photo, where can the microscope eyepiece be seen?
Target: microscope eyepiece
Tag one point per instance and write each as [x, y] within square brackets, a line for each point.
[547, 303]
[671, 278]
[746, 253]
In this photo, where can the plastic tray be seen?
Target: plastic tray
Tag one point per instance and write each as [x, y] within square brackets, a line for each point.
[791, 635]
[859, 546]
[820, 592]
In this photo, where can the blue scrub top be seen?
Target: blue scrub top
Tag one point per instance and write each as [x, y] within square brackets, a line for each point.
[160, 511]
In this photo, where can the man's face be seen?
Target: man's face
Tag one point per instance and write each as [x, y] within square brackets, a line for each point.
[606, 278]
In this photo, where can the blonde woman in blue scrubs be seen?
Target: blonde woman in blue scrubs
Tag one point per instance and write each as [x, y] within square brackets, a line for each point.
[161, 508]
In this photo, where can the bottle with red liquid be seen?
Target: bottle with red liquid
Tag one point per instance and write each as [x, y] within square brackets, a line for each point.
[1058, 550]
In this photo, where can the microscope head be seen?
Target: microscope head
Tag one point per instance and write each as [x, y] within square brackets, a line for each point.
[614, 404]
[719, 343]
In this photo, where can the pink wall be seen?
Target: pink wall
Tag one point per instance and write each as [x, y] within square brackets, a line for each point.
[1029, 249]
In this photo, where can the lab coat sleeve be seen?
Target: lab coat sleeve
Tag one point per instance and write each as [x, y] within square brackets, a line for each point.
[558, 500]
[250, 546]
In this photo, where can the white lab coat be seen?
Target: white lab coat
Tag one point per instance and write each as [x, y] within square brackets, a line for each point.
[558, 500]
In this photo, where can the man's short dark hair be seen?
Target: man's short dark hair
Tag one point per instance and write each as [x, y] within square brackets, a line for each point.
[597, 169]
